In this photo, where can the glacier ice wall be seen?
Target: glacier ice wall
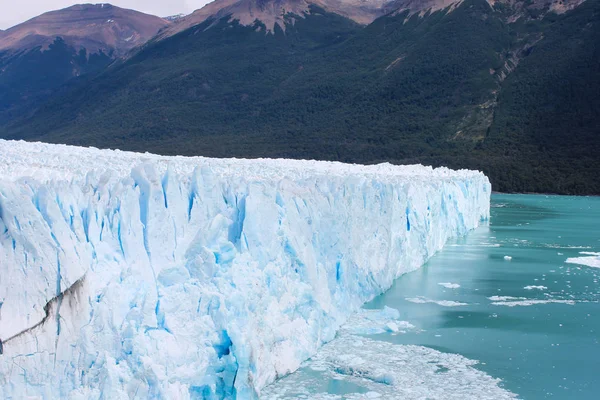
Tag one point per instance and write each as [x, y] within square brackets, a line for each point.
[127, 275]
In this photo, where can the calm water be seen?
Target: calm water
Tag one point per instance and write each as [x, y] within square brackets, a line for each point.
[546, 350]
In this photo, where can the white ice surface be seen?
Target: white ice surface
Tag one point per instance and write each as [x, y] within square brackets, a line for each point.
[534, 287]
[371, 322]
[127, 275]
[506, 298]
[449, 285]
[590, 260]
[510, 301]
[532, 302]
[443, 303]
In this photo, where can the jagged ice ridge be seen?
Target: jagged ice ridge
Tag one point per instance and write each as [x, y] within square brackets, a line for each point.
[127, 275]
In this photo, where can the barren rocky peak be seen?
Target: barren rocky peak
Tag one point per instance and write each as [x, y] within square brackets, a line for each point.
[417, 6]
[271, 12]
[95, 27]
[520, 7]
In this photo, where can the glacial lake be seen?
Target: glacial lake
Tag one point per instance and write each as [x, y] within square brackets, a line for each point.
[504, 296]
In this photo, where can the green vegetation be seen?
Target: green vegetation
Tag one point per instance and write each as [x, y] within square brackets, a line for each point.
[29, 78]
[548, 115]
[440, 89]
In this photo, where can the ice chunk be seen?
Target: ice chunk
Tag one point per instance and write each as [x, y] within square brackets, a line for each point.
[507, 258]
[371, 322]
[506, 298]
[532, 302]
[449, 285]
[511, 301]
[174, 277]
[590, 260]
[443, 303]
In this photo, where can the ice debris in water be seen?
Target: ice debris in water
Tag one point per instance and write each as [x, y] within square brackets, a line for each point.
[507, 258]
[506, 298]
[510, 301]
[443, 303]
[533, 287]
[371, 322]
[532, 302]
[377, 369]
[591, 259]
[177, 277]
[449, 285]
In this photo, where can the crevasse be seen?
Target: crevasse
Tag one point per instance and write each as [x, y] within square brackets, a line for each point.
[127, 275]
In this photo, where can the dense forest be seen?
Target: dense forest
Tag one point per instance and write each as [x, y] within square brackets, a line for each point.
[29, 78]
[461, 87]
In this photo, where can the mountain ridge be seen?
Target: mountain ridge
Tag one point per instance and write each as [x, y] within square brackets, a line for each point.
[95, 27]
[272, 12]
[39, 56]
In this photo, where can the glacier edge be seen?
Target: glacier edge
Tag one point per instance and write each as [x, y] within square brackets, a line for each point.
[129, 275]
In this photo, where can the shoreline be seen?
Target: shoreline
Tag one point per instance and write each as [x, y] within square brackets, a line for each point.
[548, 194]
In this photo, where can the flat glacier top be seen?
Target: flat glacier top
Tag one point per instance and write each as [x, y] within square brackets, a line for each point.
[48, 162]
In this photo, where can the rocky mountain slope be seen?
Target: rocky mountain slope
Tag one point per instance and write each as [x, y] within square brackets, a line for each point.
[93, 27]
[40, 55]
[273, 12]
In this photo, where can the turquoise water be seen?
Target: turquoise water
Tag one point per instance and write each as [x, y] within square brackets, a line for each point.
[548, 350]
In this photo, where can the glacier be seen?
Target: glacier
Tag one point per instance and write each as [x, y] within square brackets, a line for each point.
[129, 275]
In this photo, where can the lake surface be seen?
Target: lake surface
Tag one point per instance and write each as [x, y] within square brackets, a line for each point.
[503, 296]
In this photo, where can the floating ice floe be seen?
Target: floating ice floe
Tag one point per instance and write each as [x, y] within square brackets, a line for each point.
[371, 322]
[592, 259]
[443, 303]
[507, 258]
[449, 285]
[533, 287]
[510, 301]
[506, 298]
[532, 302]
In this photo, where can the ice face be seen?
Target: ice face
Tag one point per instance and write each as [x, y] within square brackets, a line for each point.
[134, 275]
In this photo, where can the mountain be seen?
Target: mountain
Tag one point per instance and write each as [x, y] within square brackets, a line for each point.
[509, 87]
[174, 18]
[271, 12]
[93, 27]
[40, 55]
